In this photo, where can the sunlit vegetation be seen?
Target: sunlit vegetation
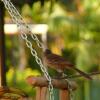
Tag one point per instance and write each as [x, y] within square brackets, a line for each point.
[74, 32]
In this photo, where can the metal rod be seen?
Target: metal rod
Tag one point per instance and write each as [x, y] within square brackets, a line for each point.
[2, 47]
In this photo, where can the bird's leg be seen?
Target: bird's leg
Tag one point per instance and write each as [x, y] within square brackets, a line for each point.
[64, 75]
[60, 75]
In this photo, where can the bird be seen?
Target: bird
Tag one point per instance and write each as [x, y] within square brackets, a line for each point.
[59, 63]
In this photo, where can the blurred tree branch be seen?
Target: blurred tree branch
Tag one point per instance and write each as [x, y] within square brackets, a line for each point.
[78, 76]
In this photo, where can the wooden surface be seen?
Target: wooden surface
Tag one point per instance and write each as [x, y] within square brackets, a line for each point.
[64, 95]
[41, 85]
[42, 82]
[41, 93]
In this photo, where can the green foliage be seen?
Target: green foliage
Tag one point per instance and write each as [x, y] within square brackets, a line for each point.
[11, 51]
[17, 79]
[40, 14]
[26, 11]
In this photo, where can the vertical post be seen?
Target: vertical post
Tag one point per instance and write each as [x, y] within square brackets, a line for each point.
[41, 93]
[64, 95]
[42, 87]
[2, 47]
[38, 93]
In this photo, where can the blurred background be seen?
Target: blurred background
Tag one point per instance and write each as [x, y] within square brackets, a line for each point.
[70, 28]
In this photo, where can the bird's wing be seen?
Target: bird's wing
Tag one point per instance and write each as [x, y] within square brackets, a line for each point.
[55, 59]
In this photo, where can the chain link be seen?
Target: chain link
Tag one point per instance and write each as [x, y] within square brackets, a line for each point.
[70, 89]
[24, 29]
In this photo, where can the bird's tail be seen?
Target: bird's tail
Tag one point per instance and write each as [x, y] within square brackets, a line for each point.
[83, 73]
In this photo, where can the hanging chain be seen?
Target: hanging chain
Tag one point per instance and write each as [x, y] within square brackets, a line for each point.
[70, 89]
[24, 29]
[38, 60]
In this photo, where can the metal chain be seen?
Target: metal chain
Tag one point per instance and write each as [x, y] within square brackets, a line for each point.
[18, 19]
[44, 70]
[24, 29]
[70, 89]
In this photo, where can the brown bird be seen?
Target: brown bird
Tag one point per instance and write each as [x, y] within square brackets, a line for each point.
[59, 63]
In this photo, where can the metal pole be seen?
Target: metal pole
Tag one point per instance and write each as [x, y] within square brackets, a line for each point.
[2, 47]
